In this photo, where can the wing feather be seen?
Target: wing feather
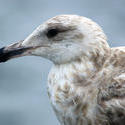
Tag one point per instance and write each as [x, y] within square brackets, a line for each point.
[112, 100]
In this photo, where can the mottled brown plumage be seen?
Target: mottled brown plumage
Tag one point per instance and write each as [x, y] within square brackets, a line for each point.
[86, 85]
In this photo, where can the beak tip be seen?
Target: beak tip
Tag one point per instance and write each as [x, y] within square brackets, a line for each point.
[3, 57]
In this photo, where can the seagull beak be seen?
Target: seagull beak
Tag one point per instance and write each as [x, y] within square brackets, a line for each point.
[15, 50]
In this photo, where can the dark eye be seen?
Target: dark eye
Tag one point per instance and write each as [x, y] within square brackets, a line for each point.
[52, 32]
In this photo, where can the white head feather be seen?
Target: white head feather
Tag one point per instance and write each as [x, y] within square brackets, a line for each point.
[69, 37]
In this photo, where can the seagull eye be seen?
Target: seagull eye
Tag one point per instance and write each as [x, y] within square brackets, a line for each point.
[52, 33]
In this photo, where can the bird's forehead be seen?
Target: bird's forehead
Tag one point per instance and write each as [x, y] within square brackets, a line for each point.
[63, 20]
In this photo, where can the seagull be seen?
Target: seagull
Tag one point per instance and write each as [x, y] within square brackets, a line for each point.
[86, 84]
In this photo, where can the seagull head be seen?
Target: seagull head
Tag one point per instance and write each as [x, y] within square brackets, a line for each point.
[61, 39]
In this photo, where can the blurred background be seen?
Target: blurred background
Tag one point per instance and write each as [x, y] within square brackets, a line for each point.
[23, 95]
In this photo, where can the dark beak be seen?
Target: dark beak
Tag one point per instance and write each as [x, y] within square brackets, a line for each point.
[13, 51]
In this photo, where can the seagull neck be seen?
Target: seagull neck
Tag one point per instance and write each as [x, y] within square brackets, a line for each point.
[86, 65]
[79, 71]
[83, 66]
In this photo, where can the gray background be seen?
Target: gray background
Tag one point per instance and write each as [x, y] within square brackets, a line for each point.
[23, 96]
